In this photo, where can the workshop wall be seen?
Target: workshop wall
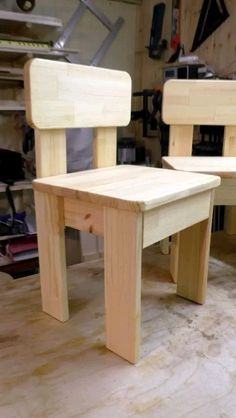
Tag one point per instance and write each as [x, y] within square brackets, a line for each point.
[149, 71]
[87, 37]
[219, 50]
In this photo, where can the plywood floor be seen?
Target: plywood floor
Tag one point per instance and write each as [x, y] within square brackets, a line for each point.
[188, 365]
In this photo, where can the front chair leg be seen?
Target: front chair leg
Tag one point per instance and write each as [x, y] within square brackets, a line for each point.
[52, 259]
[123, 257]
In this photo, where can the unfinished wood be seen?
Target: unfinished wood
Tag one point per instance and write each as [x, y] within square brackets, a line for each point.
[83, 216]
[229, 148]
[123, 253]
[11, 106]
[171, 218]
[104, 147]
[180, 140]
[218, 49]
[174, 257]
[51, 245]
[193, 256]
[18, 185]
[223, 167]
[199, 102]
[180, 143]
[165, 246]
[226, 193]
[229, 144]
[230, 221]
[132, 188]
[29, 18]
[50, 152]
[75, 95]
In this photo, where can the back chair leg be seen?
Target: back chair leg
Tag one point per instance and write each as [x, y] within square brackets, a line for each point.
[165, 246]
[193, 248]
[123, 258]
[51, 243]
[174, 257]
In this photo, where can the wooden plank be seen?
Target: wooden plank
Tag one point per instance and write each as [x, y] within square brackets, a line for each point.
[229, 144]
[174, 257]
[167, 220]
[18, 185]
[51, 244]
[11, 106]
[76, 95]
[226, 193]
[165, 246]
[180, 140]
[104, 147]
[50, 151]
[132, 188]
[218, 166]
[199, 102]
[83, 216]
[216, 50]
[229, 148]
[29, 18]
[123, 253]
[194, 248]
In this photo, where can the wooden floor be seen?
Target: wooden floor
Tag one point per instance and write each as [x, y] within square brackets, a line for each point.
[188, 365]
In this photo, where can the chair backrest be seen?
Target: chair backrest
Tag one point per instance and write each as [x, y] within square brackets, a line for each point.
[60, 95]
[199, 102]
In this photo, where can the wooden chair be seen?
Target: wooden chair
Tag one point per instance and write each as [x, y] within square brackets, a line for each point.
[202, 102]
[131, 206]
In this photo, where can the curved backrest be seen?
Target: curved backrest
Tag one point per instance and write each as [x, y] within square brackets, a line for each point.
[199, 102]
[61, 95]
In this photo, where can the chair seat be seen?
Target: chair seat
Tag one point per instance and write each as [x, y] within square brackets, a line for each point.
[224, 167]
[132, 188]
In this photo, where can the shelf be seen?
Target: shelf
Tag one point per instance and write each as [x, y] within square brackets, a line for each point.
[18, 185]
[23, 24]
[11, 74]
[6, 237]
[10, 49]
[11, 106]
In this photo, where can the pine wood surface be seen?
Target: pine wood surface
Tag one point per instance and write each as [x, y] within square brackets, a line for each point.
[223, 167]
[75, 96]
[127, 187]
[199, 102]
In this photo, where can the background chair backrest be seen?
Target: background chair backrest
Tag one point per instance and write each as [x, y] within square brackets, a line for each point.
[199, 102]
[60, 95]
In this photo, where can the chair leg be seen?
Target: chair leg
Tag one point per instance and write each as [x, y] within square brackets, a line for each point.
[174, 257]
[193, 258]
[230, 220]
[165, 246]
[52, 260]
[123, 258]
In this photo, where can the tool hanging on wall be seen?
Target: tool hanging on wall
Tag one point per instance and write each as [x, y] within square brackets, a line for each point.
[150, 119]
[113, 29]
[157, 45]
[212, 15]
[175, 28]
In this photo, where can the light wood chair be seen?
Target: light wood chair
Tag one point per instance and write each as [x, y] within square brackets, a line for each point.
[202, 102]
[131, 206]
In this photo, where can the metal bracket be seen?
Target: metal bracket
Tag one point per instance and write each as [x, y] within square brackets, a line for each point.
[113, 29]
